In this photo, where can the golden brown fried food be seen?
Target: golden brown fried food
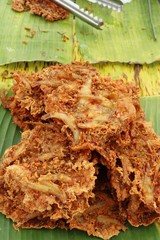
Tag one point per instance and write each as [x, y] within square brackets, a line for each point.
[92, 108]
[41, 177]
[45, 8]
[43, 183]
[101, 219]
[79, 117]
[133, 164]
[19, 5]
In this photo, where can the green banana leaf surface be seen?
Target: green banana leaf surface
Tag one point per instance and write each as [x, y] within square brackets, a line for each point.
[10, 134]
[126, 36]
[17, 44]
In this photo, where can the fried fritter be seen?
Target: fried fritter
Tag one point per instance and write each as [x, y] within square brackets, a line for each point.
[45, 8]
[133, 164]
[103, 218]
[42, 177]
[74, 120]
[92, 108]
[43, 183]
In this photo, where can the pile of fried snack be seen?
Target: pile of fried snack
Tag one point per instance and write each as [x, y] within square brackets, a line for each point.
[87, 159]
[47, 9]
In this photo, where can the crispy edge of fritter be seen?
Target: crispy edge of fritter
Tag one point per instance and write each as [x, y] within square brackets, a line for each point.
[133, 163]
[101, 219]
[62, 189]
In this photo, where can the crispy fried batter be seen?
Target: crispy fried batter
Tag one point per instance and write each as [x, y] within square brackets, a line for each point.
[75, 120]
[101, 219]
[45, 8]
[134, 163]
[42, 176]
[92, 108]
[43, 183]
[19, 5]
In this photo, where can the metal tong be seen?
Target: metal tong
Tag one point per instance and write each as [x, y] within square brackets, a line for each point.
[85, 15]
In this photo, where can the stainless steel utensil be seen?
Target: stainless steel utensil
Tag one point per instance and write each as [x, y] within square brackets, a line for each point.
[87, 17]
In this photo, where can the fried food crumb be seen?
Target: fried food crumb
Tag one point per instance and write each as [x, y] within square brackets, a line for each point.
[47, 9]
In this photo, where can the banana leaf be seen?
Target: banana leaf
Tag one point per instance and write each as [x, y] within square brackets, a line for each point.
[17, 44]
[10, 134]
[126, 36]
